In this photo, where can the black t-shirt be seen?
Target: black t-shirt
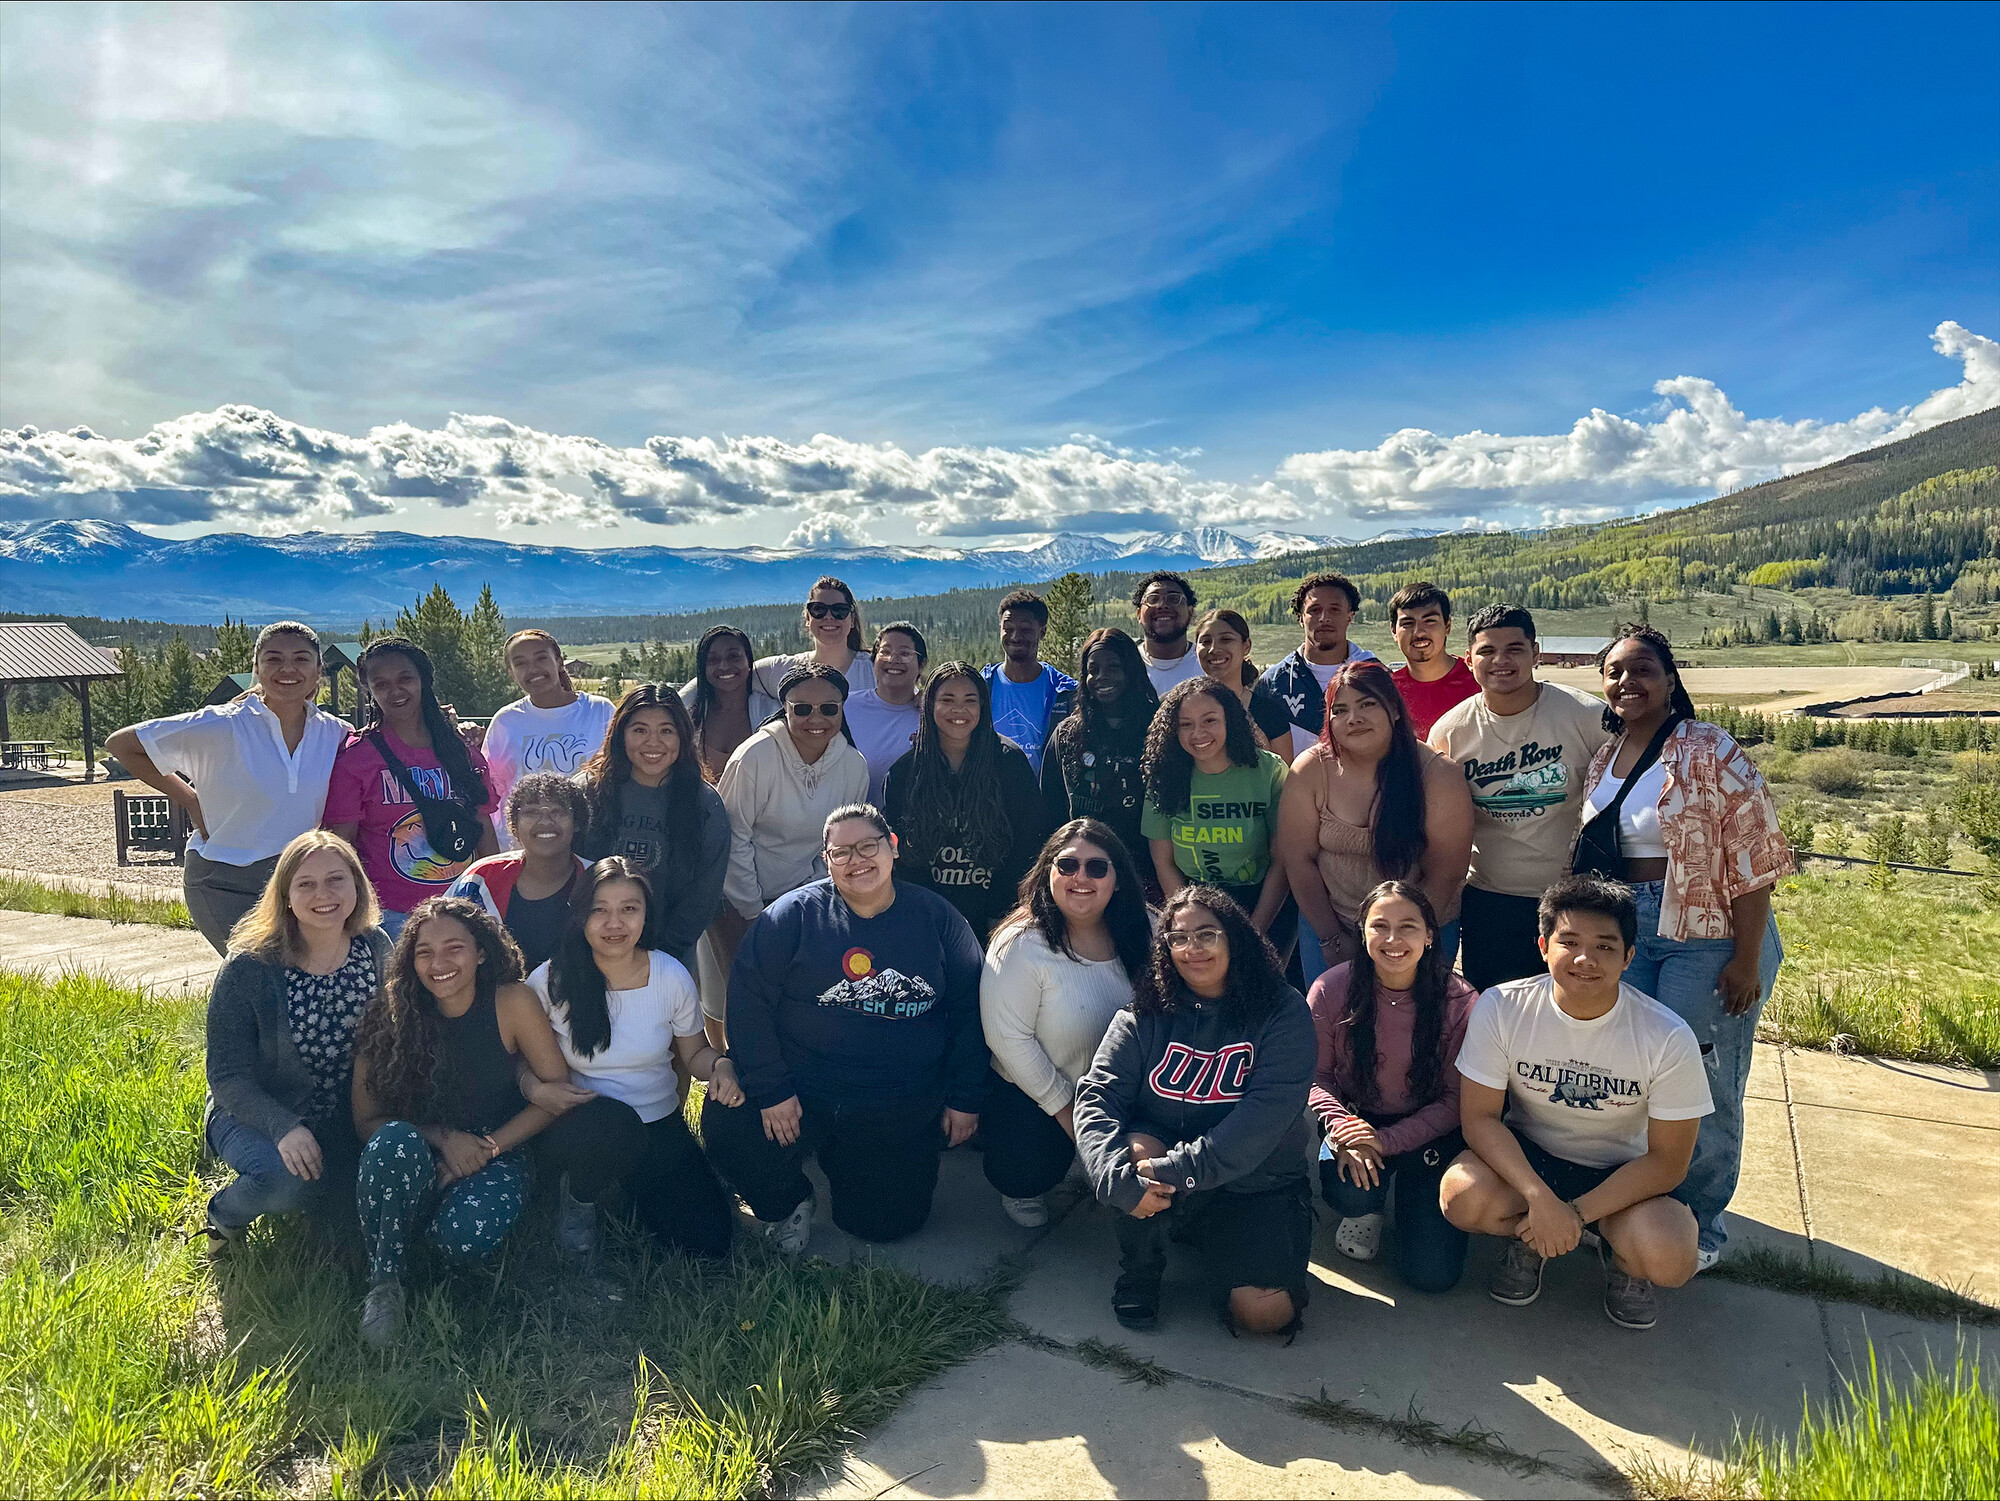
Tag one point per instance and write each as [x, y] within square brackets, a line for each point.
[1268, 712]
[537, 924]
[980, 883]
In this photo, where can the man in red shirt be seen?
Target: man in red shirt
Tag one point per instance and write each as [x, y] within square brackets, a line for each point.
[1434, 680]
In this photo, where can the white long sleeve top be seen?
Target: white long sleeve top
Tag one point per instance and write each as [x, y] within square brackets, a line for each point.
[1045, 1013]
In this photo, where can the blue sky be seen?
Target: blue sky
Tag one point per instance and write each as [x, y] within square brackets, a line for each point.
[724, 275]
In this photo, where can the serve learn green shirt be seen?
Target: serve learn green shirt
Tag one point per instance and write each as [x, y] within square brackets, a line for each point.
[1223, 836]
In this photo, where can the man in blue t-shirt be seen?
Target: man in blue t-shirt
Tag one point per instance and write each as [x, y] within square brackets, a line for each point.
[1030, 698]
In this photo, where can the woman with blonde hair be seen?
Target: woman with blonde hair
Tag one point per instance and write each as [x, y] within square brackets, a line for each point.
[304, 963]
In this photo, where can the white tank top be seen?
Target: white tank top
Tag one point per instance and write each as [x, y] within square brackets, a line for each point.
[1639, 834]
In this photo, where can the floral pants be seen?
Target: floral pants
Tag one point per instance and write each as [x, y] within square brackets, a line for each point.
[398, 1193]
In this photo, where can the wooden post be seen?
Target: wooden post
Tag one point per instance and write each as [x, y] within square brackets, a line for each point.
[89, 751]
[5, 733]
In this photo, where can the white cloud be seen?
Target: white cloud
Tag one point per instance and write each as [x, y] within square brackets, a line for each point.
[827, 530]
[1701, 444]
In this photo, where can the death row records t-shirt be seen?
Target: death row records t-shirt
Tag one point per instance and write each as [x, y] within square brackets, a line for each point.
[390, 840]
[1584, 1090]
[1526, 773]
[1224, 835]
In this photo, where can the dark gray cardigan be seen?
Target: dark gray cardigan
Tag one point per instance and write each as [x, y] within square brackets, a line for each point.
[254, 1069]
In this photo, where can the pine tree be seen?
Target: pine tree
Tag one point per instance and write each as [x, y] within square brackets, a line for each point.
[1927, 619]
[233, 646]
[1069, 601]
[1947, 629]
[175, 688]
[439, 627]
[486, 650]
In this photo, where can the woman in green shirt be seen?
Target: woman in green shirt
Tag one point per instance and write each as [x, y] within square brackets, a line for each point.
[1212, 805]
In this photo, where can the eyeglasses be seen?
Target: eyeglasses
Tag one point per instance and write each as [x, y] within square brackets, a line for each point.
[863, 849]
[805, 711]
[1201, 938]
[1096, 867]
[1166, 597]
[820, 609]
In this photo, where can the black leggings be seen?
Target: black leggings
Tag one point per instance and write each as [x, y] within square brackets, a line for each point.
[880, 1160]
[1027, 1151]
[667, 1180]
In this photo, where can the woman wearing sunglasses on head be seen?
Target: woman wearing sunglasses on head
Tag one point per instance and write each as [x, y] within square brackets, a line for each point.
[1192, 1119]
[1060, 967]
[831, 621]
[778, 788]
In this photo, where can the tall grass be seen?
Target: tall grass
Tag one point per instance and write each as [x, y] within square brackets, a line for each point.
[126, 1365]
[19, 894]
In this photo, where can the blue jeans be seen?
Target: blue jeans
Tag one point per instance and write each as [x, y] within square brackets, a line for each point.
[1680, 973]
[264, 1185]
[1427, 1250]
[1312, 959]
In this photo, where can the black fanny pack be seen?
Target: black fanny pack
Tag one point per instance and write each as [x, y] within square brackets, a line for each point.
[1597, 851]
[452, 826]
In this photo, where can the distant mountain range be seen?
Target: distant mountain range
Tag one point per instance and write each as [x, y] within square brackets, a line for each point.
[109, 569]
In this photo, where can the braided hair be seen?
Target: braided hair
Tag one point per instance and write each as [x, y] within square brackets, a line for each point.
[1679, 705]
[962, 807]
[467, 785]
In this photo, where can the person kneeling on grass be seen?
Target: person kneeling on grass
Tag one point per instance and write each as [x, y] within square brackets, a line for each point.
[854, 1025]
[622, 1012]
[305, 963]
[1192, 1119]
[435, 1098]
[1603, 1092]
[1390, 1023]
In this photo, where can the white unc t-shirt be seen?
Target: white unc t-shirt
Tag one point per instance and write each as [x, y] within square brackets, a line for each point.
[523, 739]
[637, 1065]
[1584, 1090]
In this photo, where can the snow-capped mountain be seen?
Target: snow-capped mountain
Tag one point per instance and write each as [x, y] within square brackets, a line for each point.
[105, 568]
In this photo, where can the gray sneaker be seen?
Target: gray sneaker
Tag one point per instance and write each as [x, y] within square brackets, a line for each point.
[1629, 1302]
[576, 1224]
[382, 1315]
[793, 1231]
[1517, 1280]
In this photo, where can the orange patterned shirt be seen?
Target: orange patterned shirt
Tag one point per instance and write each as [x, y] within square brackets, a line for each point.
[1720, 824]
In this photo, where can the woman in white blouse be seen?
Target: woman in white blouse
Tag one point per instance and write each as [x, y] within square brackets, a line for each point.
[250, 775]
[622, 1013]
[1061, 965]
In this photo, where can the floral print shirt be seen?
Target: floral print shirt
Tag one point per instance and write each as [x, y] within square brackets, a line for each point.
[1720, 825]
[323, 1011]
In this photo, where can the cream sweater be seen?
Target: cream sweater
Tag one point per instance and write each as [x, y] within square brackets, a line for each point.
[1045, 1013]
[777, 813]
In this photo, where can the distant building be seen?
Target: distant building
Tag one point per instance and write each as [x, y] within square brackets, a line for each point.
[232, 687]
[1572, 651]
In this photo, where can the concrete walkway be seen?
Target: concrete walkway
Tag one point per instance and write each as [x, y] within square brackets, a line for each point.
[1852, 1163]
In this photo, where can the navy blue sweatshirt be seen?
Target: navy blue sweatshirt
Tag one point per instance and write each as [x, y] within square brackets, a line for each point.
[855, 1010]
[1228, 1101]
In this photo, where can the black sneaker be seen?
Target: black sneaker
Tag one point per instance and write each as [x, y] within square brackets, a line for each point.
[1137, 1305]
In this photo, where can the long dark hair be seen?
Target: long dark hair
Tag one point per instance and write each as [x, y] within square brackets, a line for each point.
[1427, 1062]
[1679, 705]
[398, 1034]
[1125, 916]
[1256, 981]
[1136, 706]
[828, 581]
[575, 982]
[611, 768]
[467, 785]
[704, 695]
[1400, 815]
[963, 807]
[1242, 628]
[1168, 767]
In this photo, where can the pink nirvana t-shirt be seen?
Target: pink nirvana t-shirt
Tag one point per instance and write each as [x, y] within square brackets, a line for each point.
[394, 852]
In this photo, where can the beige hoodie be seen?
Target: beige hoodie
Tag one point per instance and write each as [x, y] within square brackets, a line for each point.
[777, 813]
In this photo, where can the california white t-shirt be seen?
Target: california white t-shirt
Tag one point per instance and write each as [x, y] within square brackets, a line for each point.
[523, 739]
[1584, 1090]
[637, 1065]
[883, 733]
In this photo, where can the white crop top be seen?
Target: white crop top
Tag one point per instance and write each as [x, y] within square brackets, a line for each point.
[1639, 835]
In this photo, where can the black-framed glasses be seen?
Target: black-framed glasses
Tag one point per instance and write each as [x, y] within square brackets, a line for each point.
[1096, 867]
[805, 711]
[861, 849]
[819, 609]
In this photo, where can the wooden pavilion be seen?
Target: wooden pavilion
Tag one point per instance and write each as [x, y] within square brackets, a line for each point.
[47, 651]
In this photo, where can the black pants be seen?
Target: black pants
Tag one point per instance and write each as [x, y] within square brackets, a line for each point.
[1497, 939]
[1284, 934]
[1245, 1240]
[666, 1179]
[1027, 1151]
[880, 1160]
[1428, 1251]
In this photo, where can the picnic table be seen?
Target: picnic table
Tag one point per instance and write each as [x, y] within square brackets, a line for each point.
[26, 755]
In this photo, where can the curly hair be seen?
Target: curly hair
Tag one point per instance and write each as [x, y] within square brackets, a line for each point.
[605, 773]
[575, 982]
[1125, 916]
[1679, 705]
[398, 1035]
[1314, 581]
[1256, 982]
[1359, 1083]
[962, 807]
[467, 785]
[551, 787]
[1168, 768]
[1164, 577]
[1400, 836]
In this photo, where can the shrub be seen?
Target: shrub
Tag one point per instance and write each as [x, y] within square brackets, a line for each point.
[1835, 773]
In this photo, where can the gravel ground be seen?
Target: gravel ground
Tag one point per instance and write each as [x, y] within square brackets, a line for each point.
[66, 830]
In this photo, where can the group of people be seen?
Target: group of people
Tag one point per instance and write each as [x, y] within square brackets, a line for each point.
[1471, 940]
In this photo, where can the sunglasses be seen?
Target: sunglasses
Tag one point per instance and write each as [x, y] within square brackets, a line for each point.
[819, 610]
[805, 711]
[1096, 867]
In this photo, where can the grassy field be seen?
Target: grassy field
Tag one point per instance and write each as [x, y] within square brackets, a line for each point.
[18, 894]
[127, 1367]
